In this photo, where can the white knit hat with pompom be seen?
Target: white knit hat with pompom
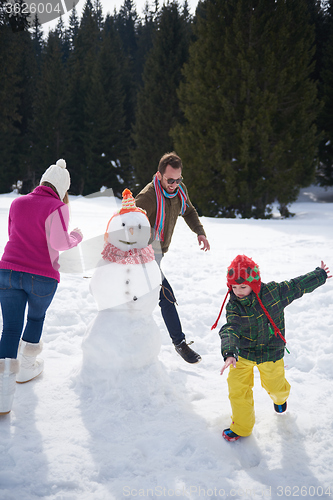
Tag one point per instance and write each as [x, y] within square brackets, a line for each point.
[58, 176]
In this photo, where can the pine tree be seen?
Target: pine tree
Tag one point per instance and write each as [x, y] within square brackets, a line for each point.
[157, 104]
[73, 28]
[126, 25]
[50, 128]
[10, 93]
[29, 77]
[18, 73]
[81, 66]
[318, 21]
[325, 121]
[249, 135]
[37, 40]
[18, 17]
[3, 17]
[63, 36]
[107, 144]
[146, 29]
[98, 13]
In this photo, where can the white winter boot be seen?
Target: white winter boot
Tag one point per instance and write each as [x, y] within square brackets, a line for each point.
[30, 367]
[8, 370]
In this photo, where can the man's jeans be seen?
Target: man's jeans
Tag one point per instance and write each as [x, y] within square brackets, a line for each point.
[168, 308]
[169, 312]
[17, 290]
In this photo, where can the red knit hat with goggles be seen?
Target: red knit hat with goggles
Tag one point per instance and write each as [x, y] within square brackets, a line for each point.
[244, 271]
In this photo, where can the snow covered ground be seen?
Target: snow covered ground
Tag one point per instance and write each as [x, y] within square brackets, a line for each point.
[155, 432]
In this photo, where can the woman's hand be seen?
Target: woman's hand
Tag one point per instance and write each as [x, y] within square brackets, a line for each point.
[78, 231]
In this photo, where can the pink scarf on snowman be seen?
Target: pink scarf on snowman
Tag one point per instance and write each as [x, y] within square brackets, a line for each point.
[132, 256]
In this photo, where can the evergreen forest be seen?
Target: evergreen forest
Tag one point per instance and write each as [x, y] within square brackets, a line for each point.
[242, 90]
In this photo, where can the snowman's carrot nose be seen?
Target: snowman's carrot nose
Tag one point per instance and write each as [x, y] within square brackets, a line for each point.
[131, 230]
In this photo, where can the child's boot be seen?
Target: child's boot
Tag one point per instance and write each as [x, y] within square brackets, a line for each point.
[30, 366]
[8, 369]
[229, 435]
[280, 408]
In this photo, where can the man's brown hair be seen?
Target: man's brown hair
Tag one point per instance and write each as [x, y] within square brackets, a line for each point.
[171, 159]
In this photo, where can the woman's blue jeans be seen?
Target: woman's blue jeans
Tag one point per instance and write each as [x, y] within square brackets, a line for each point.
[17, 291]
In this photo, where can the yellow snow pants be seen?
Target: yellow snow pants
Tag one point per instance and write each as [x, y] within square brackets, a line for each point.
[241, 382]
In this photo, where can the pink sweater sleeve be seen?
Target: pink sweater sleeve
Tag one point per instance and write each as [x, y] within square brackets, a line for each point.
[57, 230]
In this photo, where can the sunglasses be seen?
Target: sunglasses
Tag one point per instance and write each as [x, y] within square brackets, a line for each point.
[172, 181]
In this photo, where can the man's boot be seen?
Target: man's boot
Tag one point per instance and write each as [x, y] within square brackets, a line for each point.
[30, 367]
[187, 353]
[8, 369]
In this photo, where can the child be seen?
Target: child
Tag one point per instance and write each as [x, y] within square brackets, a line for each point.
[254, 336]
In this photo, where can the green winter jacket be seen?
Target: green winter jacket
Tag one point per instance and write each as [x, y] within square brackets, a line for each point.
[146, 199]
[248, 332]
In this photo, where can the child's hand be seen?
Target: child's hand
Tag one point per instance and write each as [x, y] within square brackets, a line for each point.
[326, 269]
[229, 361]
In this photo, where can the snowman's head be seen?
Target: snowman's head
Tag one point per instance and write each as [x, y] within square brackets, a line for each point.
[129, 230]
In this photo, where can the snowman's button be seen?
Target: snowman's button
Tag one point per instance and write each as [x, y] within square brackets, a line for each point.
[127, 282]
[135, 298]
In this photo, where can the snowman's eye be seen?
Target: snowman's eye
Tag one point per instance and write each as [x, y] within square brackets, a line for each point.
[123, 224]
[139, 226]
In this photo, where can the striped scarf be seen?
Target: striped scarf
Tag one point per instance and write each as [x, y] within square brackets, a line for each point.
[160, 210]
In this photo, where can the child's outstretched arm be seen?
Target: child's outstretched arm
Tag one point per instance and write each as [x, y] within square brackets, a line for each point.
[229, 361]
[326, 269]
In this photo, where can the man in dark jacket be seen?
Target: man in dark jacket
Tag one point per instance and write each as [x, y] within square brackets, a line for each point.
[164, 199]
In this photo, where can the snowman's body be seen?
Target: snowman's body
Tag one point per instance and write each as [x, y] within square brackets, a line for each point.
[133, 288]
[126, 290]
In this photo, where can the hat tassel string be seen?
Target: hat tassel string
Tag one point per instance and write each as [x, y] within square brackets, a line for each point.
[276, 329]
[218, 318]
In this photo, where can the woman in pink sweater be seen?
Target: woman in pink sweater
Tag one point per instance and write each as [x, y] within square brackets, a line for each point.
[29, 275]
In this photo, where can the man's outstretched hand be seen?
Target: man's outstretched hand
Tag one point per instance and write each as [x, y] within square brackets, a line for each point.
[203, 242]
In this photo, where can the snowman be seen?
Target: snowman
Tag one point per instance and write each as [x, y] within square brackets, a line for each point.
[125, 286]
